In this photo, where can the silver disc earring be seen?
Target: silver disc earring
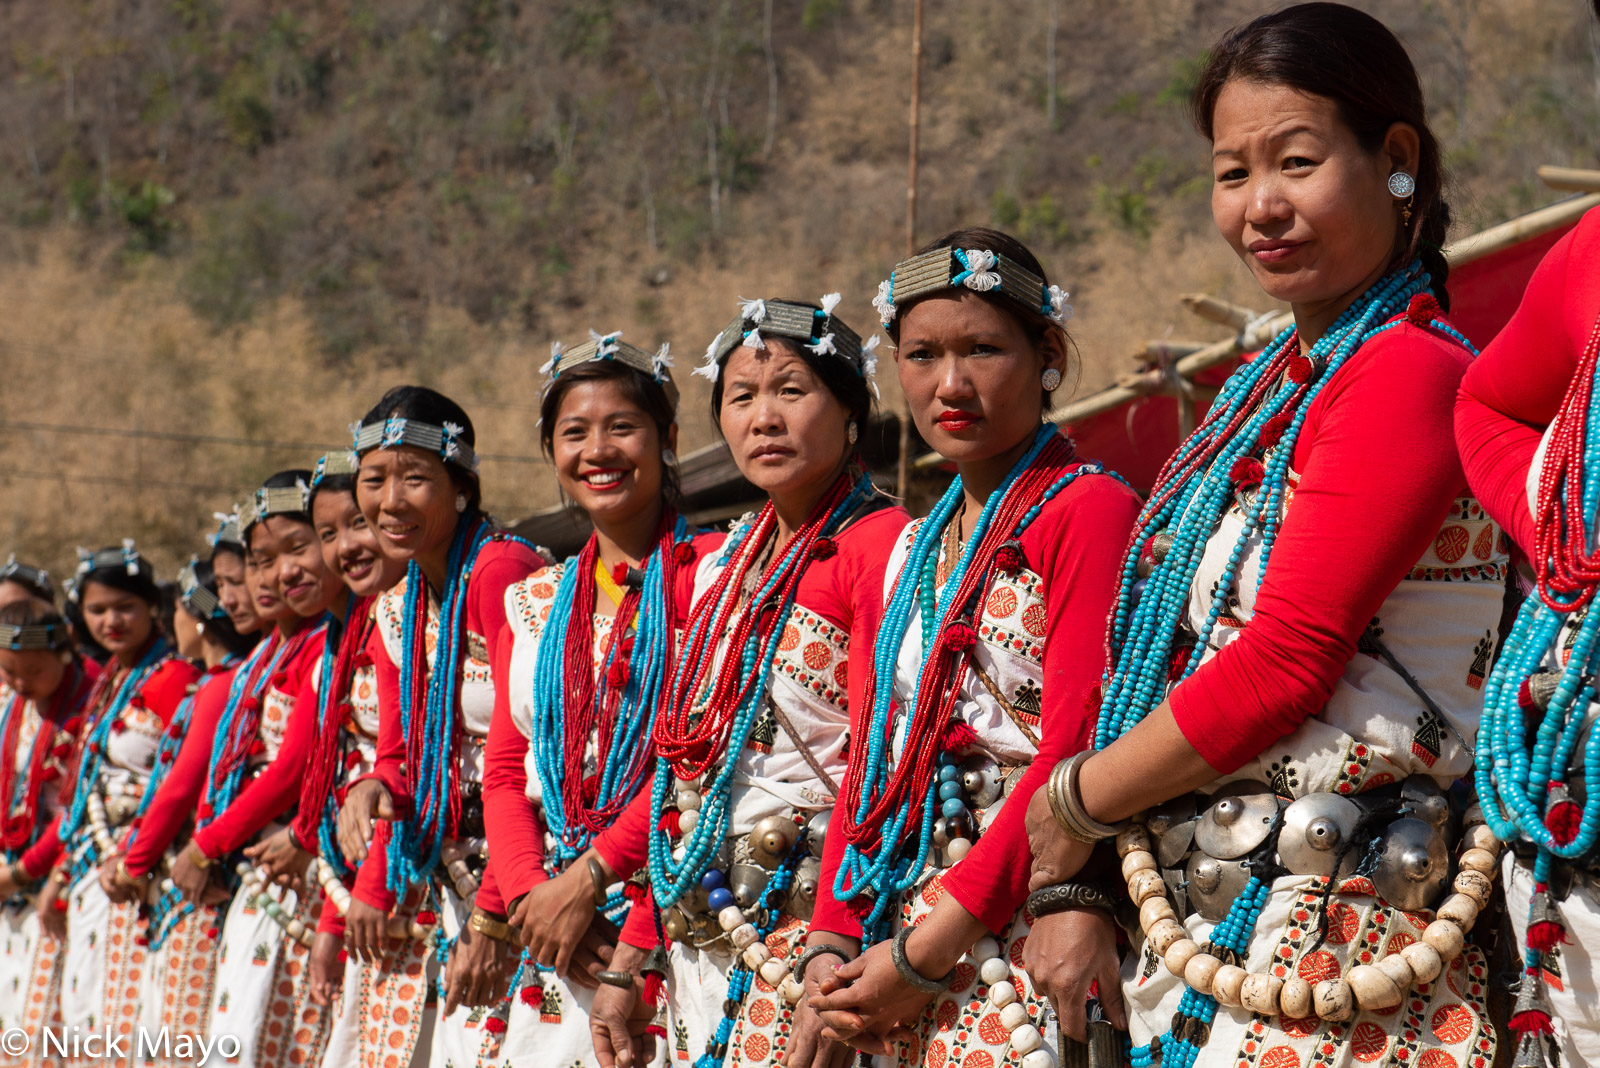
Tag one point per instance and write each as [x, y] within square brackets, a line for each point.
[852, 433]
[461, 502]
[1050, 380]
[669, 457]
[1401, 185]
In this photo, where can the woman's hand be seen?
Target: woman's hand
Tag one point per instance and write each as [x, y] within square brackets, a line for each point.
[1057, 857]
[327, 970]
[281, 857]
[866, 1004]
[8, 881]
[556, 915]
[1068, 954]
[367, 800]
[366, 931]
[191, 874]
[476, 972]
[52, 920]
[118, 889]
[808, 1048]
[619, 1015]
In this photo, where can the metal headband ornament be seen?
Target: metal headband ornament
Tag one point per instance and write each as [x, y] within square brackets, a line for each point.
[394, 431]
[334, 465]
[228, 529]
[977, 269]
[126, 559]
[36, 577]
[34, 637]
[813, 325]
[201, 602]
[275, 500]
[657, 365]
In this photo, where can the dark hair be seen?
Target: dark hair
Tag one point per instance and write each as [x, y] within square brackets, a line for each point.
[220, 626]
[231, 547]
[141, 584]
[32, 613]
[640, 390]
[1347, 56]
[331, 484]
[295, 476]
[848, 385]
[1033, 322]
[430, 406]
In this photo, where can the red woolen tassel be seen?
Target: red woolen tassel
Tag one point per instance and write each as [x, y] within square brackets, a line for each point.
[619, 574]
[71, 726]
[213, 932]
[61, 751]
[1564, 819]
[655, 1030]
[165, 756]
[1300, 369]
[118, 726]
[1545, 935]
[655, 990]
[427, 918]
[960, 637]
[617, 673]
[59, 904]
[635, 892]
[344, 955]
[1525, 697]
[353, 759]
[494, 1025]
[1273, 429]
[1178, 661]
[1423, 309]
[258, 747]
[823, 548]
[141, 940]
[958, 735]
[683, 554]
[532, 995]
[1537, 1023]
[1247, 471]
[668, 823]
[1008, 558]
[50, 774]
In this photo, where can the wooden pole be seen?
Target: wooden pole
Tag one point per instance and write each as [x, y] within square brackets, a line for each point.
[1569, 179]
[903, 463]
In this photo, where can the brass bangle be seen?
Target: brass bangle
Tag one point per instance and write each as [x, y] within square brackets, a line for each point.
[488, 926]
[597, 875]
[198, 858]
[1066, 804]
[618, 979]
[125, 876]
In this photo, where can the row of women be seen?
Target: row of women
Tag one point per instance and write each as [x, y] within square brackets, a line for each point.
[1246, 769]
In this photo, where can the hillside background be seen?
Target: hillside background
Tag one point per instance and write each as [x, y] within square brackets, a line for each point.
[225, 228]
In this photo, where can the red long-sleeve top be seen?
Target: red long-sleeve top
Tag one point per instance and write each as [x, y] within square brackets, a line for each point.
[1514, 389]
[1076, 546]
[846, 589]
[160, 695]
[516, 830]
[276, 788]
[499, 564]
[179, 793]
[55, 717]
[1378, 472]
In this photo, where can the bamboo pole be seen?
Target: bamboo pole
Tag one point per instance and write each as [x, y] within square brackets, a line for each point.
[1218, 310]
[1569, 179]
[903, 410]
[1519, 229]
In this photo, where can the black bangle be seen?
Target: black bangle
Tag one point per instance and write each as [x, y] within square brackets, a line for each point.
[1064, 896]
[915, 979]
[802, 962]
[619, 979]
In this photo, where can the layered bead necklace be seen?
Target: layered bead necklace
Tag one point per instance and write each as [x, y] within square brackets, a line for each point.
[1525, 784]
[616, 711]
[239, 728]
[703, 724]
[107, 703]
[890, 805]
[1260, 411]
[51, 746]
[429, 700]
[343, 649]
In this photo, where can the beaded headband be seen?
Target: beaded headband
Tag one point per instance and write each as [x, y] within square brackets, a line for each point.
[34, 637]
[333, 465]
[657, 366]
[125, 559]
[815, 327]
[445, 440]
[275, 500]
[37, 577]
[228, 530]
[977, 269]
[201, 602]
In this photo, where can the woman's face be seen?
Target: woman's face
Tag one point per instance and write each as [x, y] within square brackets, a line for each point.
[233, 592]
[293, 550]
[607, 452]
[787, 431]
[349, 547]
[261, 576]
[36, 674]
[971, 376]
[1301, 202]
[189, 631]
[408, 497]
[121, 622]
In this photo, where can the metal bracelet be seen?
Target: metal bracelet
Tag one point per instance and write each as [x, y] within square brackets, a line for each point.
[1052, 899]
[619, 979]
[487, 925]
[802, 962]
[915, 979]
[597, 875]
[1067, 805]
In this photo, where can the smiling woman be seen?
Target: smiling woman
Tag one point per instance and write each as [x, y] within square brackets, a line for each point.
[1336, 685]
